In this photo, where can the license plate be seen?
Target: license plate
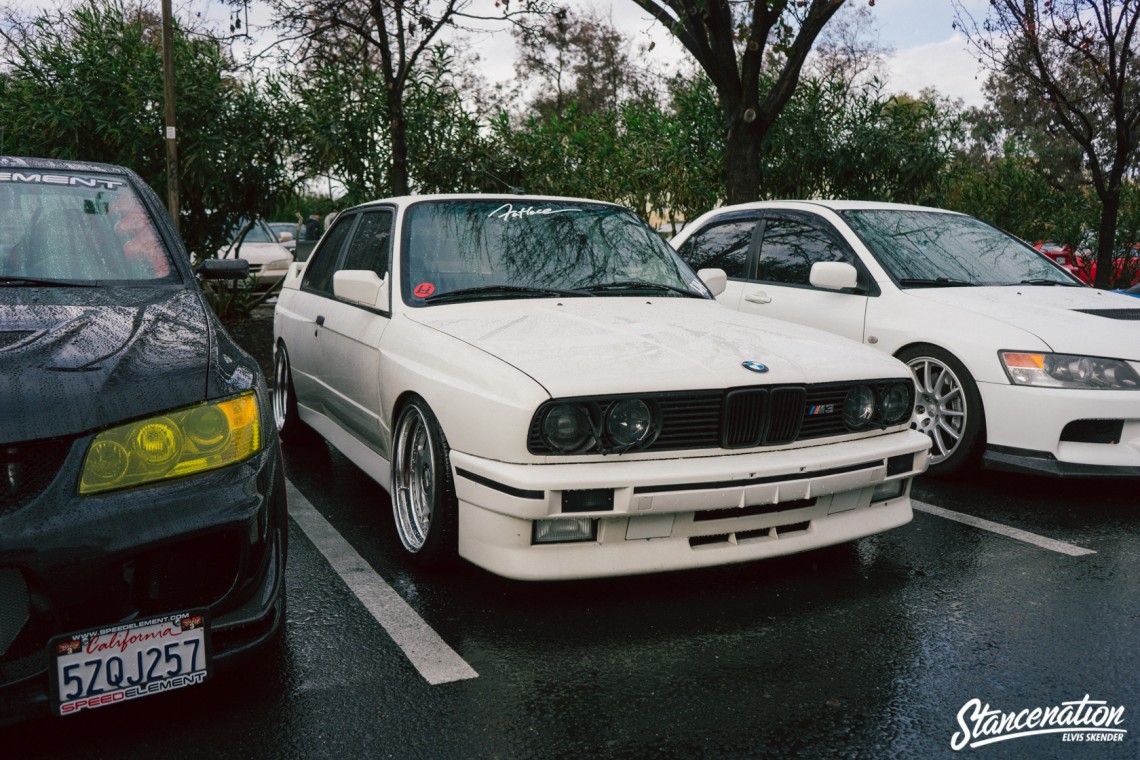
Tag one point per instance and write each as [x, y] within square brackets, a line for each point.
[106, 666]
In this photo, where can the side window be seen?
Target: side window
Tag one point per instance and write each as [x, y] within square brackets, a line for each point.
[721, 246]
[370, 245]
[322, 263]
[790, 247]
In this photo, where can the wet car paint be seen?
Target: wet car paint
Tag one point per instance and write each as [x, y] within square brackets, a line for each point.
[75, 360]
[94, 357]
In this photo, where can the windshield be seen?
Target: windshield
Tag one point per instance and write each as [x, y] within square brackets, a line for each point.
[931, 249]
[75, 228]
[259, 232]
[497, 248]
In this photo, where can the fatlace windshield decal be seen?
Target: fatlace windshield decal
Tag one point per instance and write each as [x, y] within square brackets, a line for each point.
[36, 178]
[507, 212]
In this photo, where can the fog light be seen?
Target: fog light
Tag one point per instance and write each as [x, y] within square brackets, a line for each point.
[564, 530]
[892, 489]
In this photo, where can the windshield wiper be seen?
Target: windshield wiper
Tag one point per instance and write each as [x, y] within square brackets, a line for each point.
[493, 291]
[628, 285]
[937, 282]
[1049, 282]
[37, 281]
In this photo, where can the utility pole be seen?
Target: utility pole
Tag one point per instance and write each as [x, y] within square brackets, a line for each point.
[172, 200]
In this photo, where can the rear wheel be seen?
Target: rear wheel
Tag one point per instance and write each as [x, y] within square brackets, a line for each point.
[285, 416]
[948, 408]
[424, 506]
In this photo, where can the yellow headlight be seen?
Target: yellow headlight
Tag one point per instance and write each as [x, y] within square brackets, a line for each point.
[191, 440]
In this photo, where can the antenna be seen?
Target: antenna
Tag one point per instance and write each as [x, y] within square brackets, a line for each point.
[508, 185]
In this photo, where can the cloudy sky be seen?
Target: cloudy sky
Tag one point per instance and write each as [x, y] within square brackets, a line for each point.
[928, 52]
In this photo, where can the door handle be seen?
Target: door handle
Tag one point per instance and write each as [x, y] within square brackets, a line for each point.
[757, 298]
[320, 320]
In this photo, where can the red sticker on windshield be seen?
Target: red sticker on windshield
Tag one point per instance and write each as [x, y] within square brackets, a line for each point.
[423, 290]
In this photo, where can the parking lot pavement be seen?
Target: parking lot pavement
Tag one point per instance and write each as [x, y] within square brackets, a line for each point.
[874, 649]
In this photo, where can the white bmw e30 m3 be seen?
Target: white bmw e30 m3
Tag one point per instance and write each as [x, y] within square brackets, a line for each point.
[548, 391]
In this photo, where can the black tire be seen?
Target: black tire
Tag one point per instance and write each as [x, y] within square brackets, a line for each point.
[424, 508]
[948, 408]
[289, 426]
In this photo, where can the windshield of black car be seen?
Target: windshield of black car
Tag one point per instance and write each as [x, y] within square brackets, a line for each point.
[517, 248]
[928, 249]
[76, 227]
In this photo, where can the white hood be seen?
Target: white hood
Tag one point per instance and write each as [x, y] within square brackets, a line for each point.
[259, 253]
[630, 345]
[1056, 315]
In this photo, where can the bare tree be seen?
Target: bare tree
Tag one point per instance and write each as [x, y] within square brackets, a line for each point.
[849, 49]
[729, 40]
[579, 59]
[392, 35]
[1079, 58]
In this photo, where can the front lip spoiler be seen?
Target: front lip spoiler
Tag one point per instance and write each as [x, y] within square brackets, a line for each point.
[1032, 462]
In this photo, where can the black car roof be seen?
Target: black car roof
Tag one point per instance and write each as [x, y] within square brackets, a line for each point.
[22, 162]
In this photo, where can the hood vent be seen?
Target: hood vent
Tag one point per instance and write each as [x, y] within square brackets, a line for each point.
[9, 338]
[1129, 314]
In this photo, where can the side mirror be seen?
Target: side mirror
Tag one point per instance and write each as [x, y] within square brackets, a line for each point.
[361, 286]
[714, 279]
[833, 275]
[284, 237]
[223, 269]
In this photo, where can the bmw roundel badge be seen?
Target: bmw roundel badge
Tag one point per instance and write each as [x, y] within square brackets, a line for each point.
[755, 366]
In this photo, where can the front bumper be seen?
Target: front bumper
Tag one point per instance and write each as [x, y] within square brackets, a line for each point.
[676, 513]
[1037, 430]
[214, 540]
[265, 279]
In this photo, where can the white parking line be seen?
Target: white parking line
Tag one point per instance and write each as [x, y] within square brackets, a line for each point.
[1021, 535]
[437, 662]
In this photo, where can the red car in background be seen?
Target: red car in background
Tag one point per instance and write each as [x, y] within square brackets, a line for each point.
[1061, 254]
[1083, 264]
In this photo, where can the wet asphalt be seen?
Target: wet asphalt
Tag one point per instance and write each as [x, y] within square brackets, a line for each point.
[867, 650]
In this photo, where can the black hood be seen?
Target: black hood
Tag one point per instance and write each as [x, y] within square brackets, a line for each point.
[73, 360]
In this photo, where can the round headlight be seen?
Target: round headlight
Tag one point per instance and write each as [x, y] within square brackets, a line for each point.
[858, 407]
[567, 428]
[107, 462]
[207, 427]
[896, 403]
[628, 422]
[157, 442]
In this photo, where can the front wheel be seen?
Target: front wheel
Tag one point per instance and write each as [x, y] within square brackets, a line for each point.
[948, 408]
[424, 506]
[285, 417]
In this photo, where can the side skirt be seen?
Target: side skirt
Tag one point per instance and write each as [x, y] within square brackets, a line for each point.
[375, 466]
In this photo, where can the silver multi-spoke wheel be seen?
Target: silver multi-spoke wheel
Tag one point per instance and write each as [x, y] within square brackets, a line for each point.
[941, 409]
[416, 479]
